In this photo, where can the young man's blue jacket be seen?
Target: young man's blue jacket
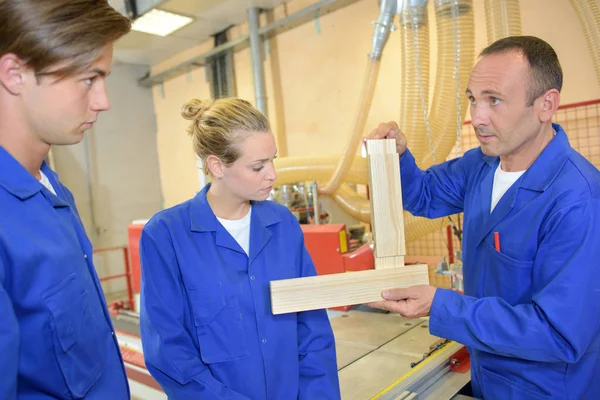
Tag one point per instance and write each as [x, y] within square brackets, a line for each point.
[56, 337]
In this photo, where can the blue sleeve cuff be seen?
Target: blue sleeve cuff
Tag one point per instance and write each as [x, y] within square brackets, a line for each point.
[407, 161]
[440, 322]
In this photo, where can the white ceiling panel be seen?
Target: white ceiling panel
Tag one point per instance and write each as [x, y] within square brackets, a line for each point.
[200, 30]
[211, 16]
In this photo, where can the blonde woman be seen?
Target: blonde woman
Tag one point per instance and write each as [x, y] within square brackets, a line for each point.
[206, 322]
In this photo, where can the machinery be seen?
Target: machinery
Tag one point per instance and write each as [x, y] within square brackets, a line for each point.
[442, 373]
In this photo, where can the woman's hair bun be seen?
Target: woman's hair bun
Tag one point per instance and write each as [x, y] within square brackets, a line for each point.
[193, 109]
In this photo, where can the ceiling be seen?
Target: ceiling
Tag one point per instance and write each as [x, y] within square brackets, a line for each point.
[211, 16]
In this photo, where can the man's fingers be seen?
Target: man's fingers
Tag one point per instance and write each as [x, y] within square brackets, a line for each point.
[396, 294]
[391, 306]
[387, 130]
[377, 304]
[373, 134]
[393, 126]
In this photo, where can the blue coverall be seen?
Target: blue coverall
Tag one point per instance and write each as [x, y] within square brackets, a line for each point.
[206, 322]
[530, 316]
[56, 337]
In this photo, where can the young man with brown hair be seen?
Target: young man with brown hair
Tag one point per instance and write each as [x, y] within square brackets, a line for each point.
[56, 337]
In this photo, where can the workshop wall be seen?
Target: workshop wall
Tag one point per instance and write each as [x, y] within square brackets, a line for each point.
[314, 76]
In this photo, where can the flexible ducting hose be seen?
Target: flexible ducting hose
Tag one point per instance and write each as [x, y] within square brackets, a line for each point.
[502, 18]
[456, 53]
[360, 208]
[414, 84]
[589, 18]
[352, 203]
[320, 169]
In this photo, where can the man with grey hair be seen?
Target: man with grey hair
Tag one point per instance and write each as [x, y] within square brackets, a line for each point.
[530, 315]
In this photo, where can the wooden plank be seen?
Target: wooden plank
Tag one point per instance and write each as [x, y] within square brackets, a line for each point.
[387, 219]
[324, 291]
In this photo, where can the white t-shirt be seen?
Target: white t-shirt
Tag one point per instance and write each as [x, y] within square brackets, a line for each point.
[502, 182]
[46, 182]
[239, 229]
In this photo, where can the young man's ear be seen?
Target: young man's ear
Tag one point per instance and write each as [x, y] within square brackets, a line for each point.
[549, 105]
[215, 166]
[12, 73]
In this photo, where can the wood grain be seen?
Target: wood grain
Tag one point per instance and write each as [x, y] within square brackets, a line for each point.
[387, 219]
[324, 291]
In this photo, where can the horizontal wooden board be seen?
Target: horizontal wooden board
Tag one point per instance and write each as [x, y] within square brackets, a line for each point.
[324, 291]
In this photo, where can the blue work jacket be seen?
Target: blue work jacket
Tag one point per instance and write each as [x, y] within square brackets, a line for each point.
[56, 337]
[206, 322]
[530, 316]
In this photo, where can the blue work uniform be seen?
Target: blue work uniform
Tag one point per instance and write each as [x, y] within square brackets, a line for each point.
[56, 337]
[530, 316]
[206, 322]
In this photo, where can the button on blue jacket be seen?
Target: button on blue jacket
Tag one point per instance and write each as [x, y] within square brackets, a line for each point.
[56, 337]
[530, 315]
[206, 322]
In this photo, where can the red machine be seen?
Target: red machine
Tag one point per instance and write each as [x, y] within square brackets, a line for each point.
[328, 247]
[134, 235]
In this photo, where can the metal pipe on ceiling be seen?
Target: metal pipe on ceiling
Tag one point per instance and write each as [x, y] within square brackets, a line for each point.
[258, 72]
[293, 20]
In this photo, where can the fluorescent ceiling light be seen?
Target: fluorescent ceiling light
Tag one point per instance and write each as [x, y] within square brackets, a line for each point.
[160, 23]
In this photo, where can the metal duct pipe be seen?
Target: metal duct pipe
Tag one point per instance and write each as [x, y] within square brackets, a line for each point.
[383, 26]
[589, 18]
[257, 61]
[414, 84]
[135, 8]
[502, 18]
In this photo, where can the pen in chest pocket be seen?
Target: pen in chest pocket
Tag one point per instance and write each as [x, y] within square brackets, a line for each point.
[497, 241]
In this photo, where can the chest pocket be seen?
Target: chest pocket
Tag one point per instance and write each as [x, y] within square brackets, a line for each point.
[505, 277]
[79, 336]
[219, 325]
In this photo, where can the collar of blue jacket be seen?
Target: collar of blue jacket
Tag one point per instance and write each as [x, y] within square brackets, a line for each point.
[546, 167]
[203, 219]
[18, 180]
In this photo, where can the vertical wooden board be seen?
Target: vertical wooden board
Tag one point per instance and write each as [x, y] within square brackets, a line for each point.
[387, 218]
[389, 262]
